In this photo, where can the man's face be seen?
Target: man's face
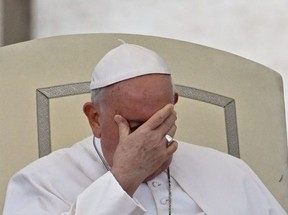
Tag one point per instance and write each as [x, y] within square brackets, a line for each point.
[136, 100]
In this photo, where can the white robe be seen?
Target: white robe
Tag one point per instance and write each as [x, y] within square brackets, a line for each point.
[74, 181]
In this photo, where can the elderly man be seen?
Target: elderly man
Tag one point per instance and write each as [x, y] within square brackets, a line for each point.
[132, 164]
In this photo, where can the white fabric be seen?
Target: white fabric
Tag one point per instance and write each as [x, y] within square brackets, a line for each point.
[74, 181]
[125, 62]
[159, 203]
[153, 196]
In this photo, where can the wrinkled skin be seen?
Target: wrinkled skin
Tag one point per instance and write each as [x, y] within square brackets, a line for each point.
[132, 120]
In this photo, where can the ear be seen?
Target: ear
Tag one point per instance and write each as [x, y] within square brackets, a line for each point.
[92, 113]
[176, 96]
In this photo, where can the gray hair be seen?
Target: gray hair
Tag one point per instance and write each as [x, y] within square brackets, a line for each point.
[96, 95]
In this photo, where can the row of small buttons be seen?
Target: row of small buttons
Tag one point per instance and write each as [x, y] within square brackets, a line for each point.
[156, 185]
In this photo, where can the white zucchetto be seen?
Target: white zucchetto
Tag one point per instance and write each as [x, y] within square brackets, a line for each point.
[125, 62]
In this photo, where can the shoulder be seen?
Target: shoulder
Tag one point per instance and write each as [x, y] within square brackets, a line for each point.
[207, 158]
[188, 149]
[217, 179]
[79, 157]
[57, 178]
[206, 162]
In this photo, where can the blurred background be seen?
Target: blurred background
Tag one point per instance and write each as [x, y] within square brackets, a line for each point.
[257, 30]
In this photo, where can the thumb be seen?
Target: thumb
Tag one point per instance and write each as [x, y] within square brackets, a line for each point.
[123, 126]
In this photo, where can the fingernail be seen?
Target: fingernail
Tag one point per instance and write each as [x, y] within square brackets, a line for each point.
[118, 119]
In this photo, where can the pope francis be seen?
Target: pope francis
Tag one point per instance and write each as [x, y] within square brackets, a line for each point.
[131, 164]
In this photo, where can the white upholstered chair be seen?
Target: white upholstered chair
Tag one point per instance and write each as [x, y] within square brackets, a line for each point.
[227, 102]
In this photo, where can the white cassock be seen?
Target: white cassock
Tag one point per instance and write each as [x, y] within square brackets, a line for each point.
[74, 181]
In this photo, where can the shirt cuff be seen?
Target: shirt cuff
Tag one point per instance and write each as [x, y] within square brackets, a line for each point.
[106, 196]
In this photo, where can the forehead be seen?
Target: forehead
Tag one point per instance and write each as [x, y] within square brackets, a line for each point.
[141, 96]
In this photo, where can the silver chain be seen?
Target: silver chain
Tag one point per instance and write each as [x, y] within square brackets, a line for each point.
[100, 155]
[169, 191]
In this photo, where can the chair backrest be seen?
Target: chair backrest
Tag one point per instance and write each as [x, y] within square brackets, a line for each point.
[227, 102]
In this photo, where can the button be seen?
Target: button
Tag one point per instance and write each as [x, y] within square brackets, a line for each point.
[164, 201]
[156, 184]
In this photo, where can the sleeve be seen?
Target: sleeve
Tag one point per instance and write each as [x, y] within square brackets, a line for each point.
[103, 196]
[105, 193]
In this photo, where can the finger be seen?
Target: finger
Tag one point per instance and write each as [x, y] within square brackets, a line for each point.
[171, 131]
[168, 126]
[172, 147]
[123, 126]
[159, 117]
[168, 140]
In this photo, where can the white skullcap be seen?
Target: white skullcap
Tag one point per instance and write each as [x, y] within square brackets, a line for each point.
[125, 62]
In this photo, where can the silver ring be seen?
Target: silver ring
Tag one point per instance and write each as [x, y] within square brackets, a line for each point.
[169, 139]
